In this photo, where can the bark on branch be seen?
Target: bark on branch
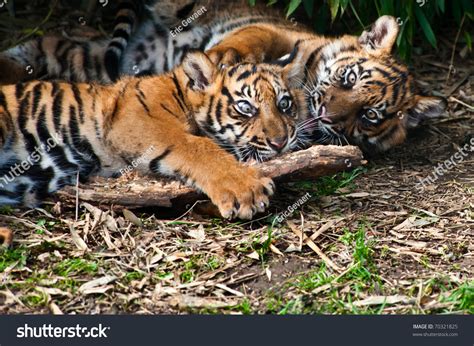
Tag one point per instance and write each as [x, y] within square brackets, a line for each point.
[138, 192]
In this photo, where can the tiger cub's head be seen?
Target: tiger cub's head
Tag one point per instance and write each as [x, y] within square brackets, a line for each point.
[251, 110]
[359, 92]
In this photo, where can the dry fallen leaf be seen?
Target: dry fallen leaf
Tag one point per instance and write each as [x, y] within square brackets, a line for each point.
[90, 286]
[253, 255]
[198, 233]
[378, 300]
[132, 218]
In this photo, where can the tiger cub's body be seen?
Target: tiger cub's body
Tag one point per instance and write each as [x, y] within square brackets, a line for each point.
[50, 131]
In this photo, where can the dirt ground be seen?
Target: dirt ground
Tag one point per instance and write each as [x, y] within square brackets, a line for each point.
[368, 241]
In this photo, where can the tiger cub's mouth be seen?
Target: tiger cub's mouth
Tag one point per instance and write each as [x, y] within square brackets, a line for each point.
[326, 131]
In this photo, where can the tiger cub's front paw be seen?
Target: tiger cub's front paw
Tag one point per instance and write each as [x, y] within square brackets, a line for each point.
[242, 195]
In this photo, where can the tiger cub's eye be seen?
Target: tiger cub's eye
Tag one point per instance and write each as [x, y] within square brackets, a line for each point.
[245, 108]
[370, 114]
[285, 103]
[349, 78]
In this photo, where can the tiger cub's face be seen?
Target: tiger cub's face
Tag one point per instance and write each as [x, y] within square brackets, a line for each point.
[251, 110]
[361, 95]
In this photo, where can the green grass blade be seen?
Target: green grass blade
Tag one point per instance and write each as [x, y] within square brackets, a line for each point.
[425, 26]
[294, 4]
[334, 7]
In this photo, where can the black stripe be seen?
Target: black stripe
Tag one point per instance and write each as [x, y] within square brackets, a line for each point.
[23, 115]
[184, 11]
[54, 88]
[156, 162]
[66, 62]
[139, 90]
[218, 112]
[209, 119]
[287, 60]
[142, 101]
[227, 94]
[395, 91]
[54, 150]
[80, 105]
[117, 45]
[375, 82]
[86, 61]
[168, 110]
[121, 33]
[245, 128]
[233, 70]
[205, 41]
[36, 98]
[89, 161]
[3, 101]
[58, 109]
[228, 127]
[244, 75]
[19, 90]
[180, 97]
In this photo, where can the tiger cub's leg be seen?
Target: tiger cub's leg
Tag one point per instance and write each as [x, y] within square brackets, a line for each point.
[237, 190]
[11, 72]
[254, 43]
[6, 237]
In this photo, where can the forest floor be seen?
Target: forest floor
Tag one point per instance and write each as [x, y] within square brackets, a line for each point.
[378, 243]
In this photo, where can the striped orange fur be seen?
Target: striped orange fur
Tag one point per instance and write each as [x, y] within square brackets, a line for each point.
[195, 123]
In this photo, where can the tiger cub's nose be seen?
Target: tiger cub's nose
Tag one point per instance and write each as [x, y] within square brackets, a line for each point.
[278, 143]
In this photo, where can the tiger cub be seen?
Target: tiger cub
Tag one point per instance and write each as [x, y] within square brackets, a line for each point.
[355, 88]
[149, 37]
[182, 120]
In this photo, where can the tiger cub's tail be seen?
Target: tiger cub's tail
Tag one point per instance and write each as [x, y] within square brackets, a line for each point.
[126, 21]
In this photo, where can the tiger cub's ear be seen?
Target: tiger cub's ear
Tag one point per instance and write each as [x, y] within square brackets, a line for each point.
[199, 69]
[293, 67]
[381, 37]
[426, 107]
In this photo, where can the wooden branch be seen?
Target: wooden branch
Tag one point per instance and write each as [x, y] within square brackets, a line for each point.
[317, 161]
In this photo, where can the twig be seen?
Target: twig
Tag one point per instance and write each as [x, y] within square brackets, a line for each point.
[324, 228]
[452, 98]
[458, 84]
[77, 196]
[314, 247]
[451, 61]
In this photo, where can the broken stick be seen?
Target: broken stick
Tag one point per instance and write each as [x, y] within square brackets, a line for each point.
[311, 163]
